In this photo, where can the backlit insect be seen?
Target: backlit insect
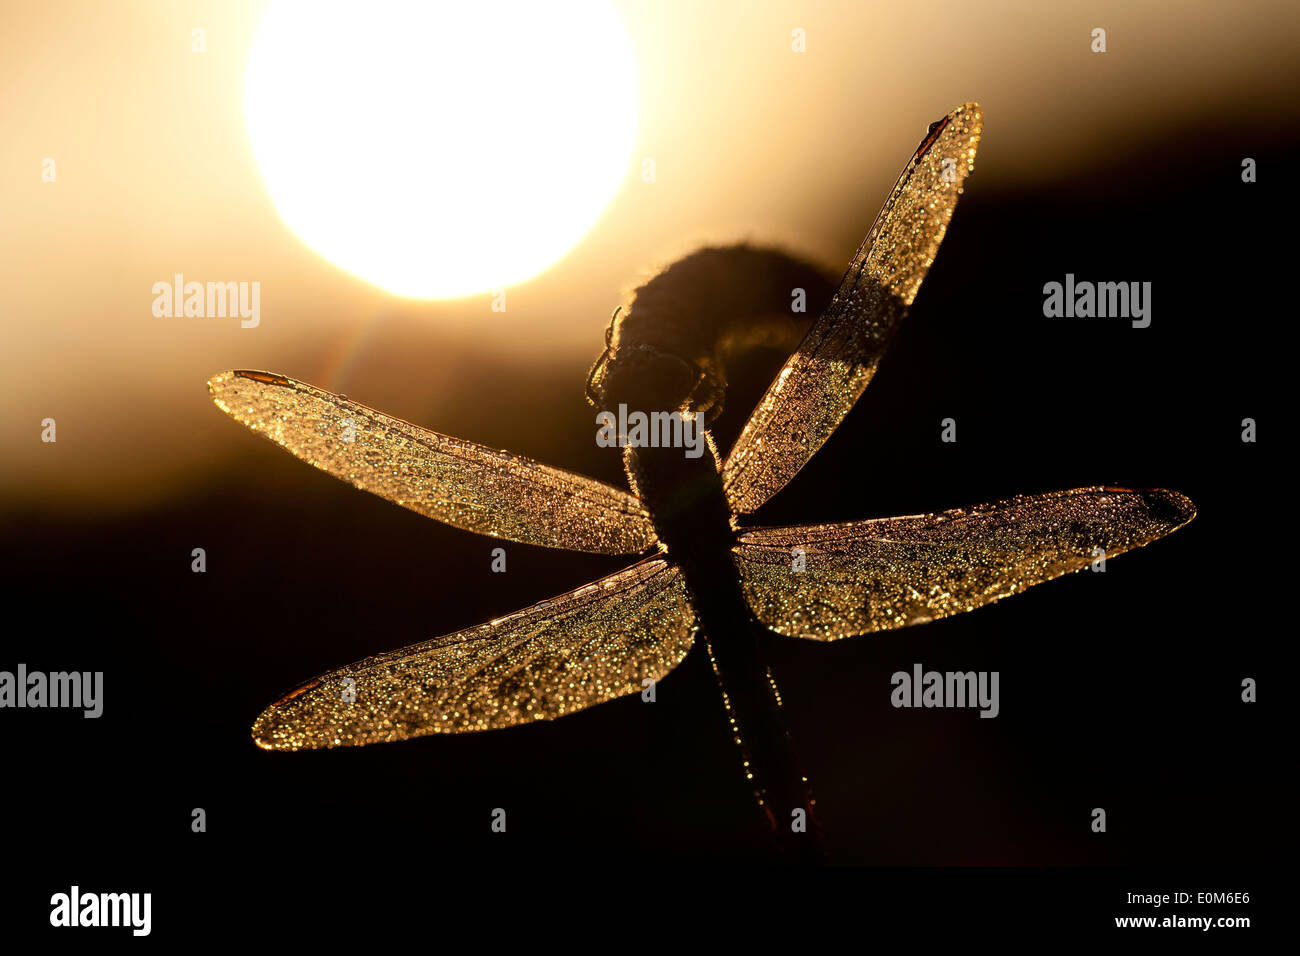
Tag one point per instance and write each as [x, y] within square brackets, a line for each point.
[702, 575]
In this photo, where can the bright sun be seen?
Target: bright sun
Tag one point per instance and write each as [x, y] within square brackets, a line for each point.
[440, 149]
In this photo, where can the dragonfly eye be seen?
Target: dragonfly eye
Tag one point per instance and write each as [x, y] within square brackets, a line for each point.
[644, 378]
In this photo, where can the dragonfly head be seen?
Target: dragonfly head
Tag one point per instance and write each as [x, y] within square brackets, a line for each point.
[648, 378]
[651, 377]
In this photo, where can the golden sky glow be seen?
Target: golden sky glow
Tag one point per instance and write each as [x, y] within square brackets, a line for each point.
[157, 175]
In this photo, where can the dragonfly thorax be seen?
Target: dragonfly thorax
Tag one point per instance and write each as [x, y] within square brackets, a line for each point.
[691, 516]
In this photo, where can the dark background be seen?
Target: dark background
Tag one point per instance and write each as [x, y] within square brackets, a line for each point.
[1118, 690]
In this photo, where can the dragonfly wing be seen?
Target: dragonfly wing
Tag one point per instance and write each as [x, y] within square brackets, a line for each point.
[827, 373]
[457, 482]
[576, 650]
[866, 576]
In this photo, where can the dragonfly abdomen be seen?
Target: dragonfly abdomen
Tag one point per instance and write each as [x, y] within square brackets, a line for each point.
[693, 520]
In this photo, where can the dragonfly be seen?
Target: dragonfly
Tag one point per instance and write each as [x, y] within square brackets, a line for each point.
[701, 574]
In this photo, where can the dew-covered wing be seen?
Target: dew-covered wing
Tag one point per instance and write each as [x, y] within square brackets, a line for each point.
[865, 576]
[832, 366]
[576, 650]
[457, 482]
